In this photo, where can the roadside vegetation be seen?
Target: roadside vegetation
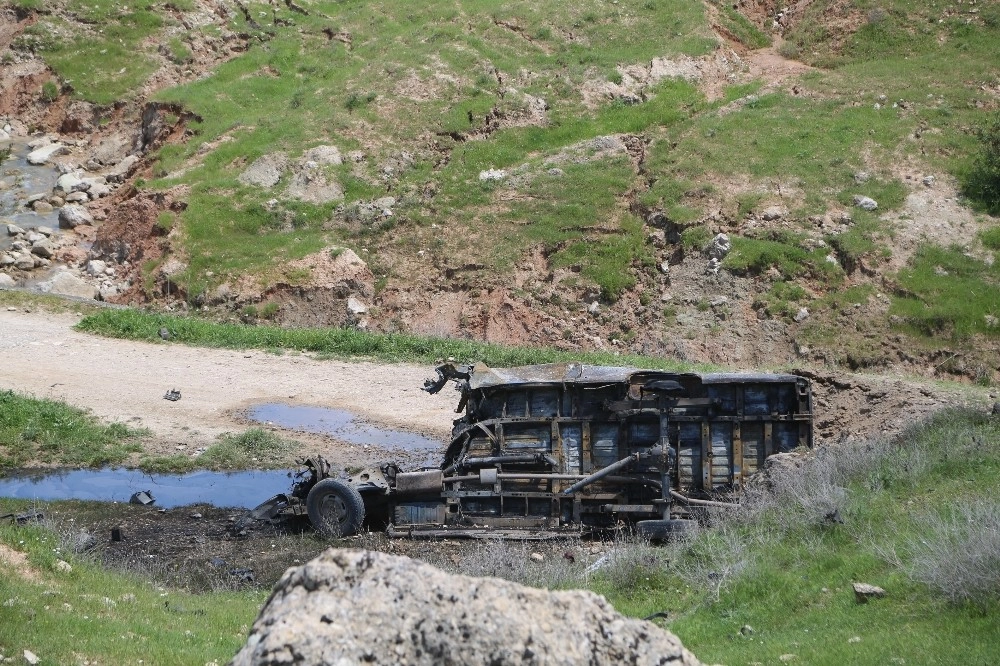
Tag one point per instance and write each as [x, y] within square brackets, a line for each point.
[916, 516]
[347, 343]
[46, 431]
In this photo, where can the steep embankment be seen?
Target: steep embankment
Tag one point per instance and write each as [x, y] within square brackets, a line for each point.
[536, 174]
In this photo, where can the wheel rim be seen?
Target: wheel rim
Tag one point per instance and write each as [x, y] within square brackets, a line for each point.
[334, 510]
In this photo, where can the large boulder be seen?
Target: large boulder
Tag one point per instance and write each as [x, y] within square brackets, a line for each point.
[355, 606]
[73, 216]
[67, 284]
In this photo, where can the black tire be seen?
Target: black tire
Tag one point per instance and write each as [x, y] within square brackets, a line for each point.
[335, 508]
[664, 530]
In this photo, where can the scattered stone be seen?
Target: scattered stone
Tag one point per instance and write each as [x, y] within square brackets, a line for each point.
[42, 249]
[594, 308]
[42, 155]
[801, 315]
[862, 177]
[265, 171]
[96, 267]
[70, 217]
[164, 333]
[120, 171]
[717, 301]
[788, 657]
[854, 639]
[30, 657]
[45, 231]
[13, 230]
[492, 175]
[196, 516]
[863, 592]
[77, 197]
[72, 182]
[323, 155]
[6, 281]
[63, 566]
[928, 181]
[24, 262]
[42, 207]
[556, 171]
[773, 213]
[67, 284]
[355, 307]
[719, 247]
[537, 557]
[665, 267]
[713, 266]
[867, 203]
[416, 614]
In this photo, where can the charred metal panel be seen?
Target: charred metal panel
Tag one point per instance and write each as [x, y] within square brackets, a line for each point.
[604, 443]
[420, 513]
[721, 454]
[572, 439]
[431, 481]
[536, 436]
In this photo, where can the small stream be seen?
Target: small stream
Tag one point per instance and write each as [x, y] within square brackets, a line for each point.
[18, 182]
[222, 489]
[340, 424]
[244, 489]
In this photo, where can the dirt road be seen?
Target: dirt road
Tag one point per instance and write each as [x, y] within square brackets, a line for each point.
[120, 380]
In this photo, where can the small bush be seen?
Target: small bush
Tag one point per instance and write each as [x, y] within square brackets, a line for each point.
[982, 183]
[958, 555]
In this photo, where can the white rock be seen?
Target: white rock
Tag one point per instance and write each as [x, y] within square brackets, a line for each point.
[45, 153]
[719, 247]
[6, 281]
[96, 267]
[72, 182]
[63, 566]
[31, 657]
[773, 213]
[356, 307]
[801, 315]
[492, 175]
[866, 203]
[13, 230]
[73, 216]
[67, 284]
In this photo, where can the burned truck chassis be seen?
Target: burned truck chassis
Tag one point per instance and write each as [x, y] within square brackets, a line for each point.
[565, 450]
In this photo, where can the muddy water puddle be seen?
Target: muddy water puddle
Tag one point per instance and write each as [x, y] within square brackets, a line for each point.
[342, 425]
[223, 489]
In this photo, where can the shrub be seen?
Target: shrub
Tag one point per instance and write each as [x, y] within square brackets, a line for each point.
[958, 555]
[982, 183]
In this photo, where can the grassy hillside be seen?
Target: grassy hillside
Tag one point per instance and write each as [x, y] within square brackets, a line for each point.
[422, 99]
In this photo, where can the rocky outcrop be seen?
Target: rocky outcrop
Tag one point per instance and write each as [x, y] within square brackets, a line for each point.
[354, 606]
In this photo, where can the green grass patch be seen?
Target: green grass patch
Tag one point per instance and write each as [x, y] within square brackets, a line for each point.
[34, 430]
[254, 448]
[107, 617]
[777, 579]
[740, 27]
[991, 238]
[944, 293]
[782, 251]
[345, 343]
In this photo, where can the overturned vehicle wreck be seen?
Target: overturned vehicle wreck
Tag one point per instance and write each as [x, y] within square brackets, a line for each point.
[567, 448]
